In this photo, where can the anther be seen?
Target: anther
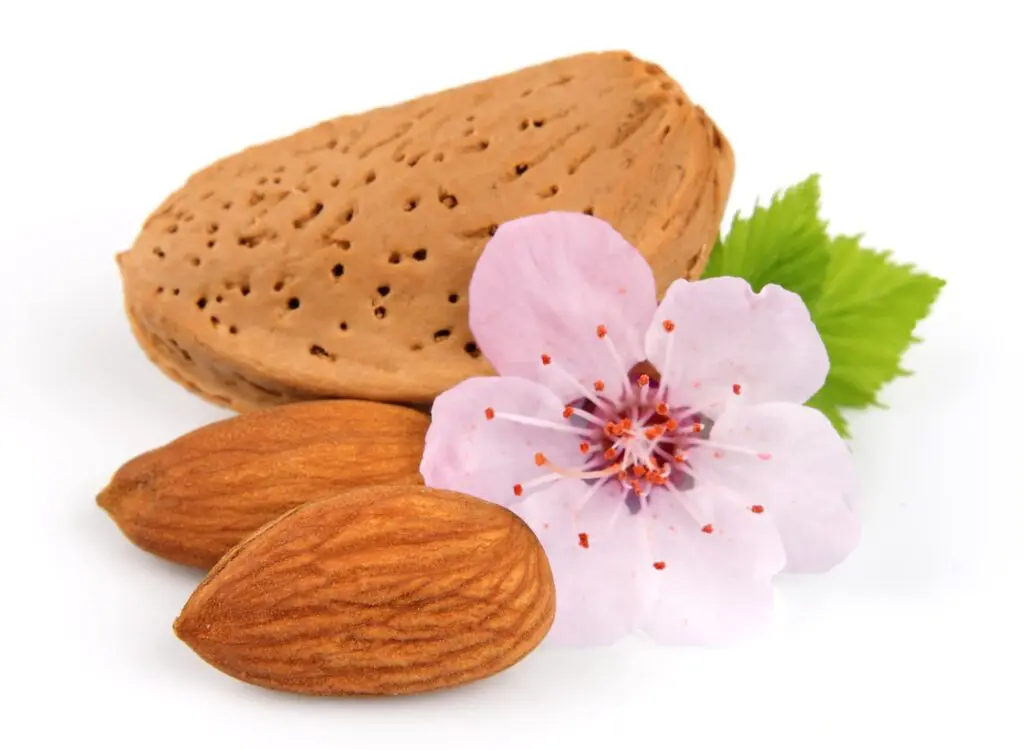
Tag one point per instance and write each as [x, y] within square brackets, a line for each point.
[708, 529]
[567, 412]
[679, 458]
[668, 325]
[489, 413]
[601, 332]
[584, 448]
[644, 379]
[736, 388]
[659, 565]
[639, 471]
[662, 409]
[518, 490]
[584, 540]
[610, 453]
[598, 385]
[545, 359]
[671, 425]
[757, 509]
[696, 427]
[540, 459]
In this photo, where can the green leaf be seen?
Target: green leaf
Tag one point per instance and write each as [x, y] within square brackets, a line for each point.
[866, 314]
[784, 243]
[864, 304]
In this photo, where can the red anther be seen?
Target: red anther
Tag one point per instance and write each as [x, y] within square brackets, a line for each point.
[757, 509]
[658, 479]
[518, 490]
[679, 458]
[489, 413]
[696, 427]
[610, 453]
[662, 409]
[602, 332]
[545, 359]
[626, 424]
[659, 565]
[671, 425]
[621, 476]
[584, 540]
[540, 459]
[639, 471]
[637, 488]
[708, 529]
[736, 388]
[584, 447]
[568, 412]
[598, 385]
[668, 325]
[644, 379]
[653, 433]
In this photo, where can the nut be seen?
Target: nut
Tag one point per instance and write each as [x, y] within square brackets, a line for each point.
[380, 590]
[335, 262]
[196, 497]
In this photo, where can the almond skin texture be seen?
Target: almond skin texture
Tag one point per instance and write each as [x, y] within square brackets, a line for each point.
[335, 262]
[195, 498]
[378, 591]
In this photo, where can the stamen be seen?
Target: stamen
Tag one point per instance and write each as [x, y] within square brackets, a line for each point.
[736, 388]
[568, 412]
[584, 540]
[489, 413]
[660, 565]
[534, 422]
[618, 360]
[601, 332]
[671, 425]
[718, 447]
[708, 528]
[662, 409]
[644, 379]
[545, 359]
[588, 417]
[668, 325]
[757, 509]
[539, 458]
[518, 490]
[598, 385]
[584, 447]
[610, 453]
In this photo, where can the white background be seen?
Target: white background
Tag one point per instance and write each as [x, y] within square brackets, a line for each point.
[909, 112]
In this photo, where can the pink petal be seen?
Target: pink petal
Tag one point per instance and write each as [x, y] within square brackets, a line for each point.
[599, 577]
[726, 343]
[467, 452]
[542, 287]
[804, 478]
[715, 583]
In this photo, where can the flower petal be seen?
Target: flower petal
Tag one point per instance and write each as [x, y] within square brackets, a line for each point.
[468, 452]
[727, 342]
[804, 479]
[599, 577]
[541, 288]
[713, 572]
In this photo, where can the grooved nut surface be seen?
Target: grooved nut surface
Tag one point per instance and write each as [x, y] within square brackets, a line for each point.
[193, 499]
[335, 262]
[382, 590]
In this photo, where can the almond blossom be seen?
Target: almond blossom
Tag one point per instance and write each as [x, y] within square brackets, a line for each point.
[661, 452]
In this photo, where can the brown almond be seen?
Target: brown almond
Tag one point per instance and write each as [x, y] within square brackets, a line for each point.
[380, 591]
[195, 498]
[335, 262]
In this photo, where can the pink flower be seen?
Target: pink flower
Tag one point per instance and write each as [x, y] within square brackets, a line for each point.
[661, 453]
